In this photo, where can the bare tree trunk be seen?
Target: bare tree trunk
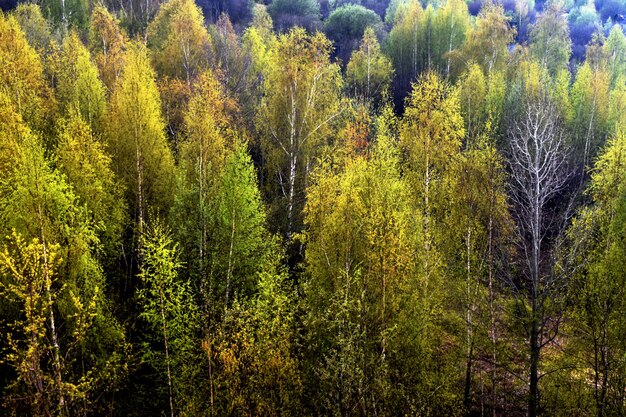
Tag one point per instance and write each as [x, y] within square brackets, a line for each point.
[539, 171]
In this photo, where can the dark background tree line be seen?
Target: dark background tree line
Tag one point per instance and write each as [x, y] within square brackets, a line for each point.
[312, 208]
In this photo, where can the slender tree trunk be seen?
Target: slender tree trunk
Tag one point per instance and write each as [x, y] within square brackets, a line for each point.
[139, 172]
[492, 313]
[293, 160]
[368, 95]
[211, 377]
[230, 256]
[167, 353]
[292, 189]
[63, 17]
[533, 397]
[58, 379]
[450, 47]
[468, 325]
[468, 379]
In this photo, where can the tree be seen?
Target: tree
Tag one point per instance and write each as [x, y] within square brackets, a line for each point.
[41, 212]
[21, 74]
[583, 23]
[451, 26]
[596, 254]
[300, 103]
[66, 14]
[13, 132]
[289, 13]
[239, 11]
[369, 72]
[589, 98]
[33, 268]
[405, 40]
[257, 370]
[430, 134]
[550, 42]
[615, 50]
[256, 41]
[170, 311]
[135, 133]
[180, 44]
[538, 157]
[107, 42]
[203, 152]
[230, 246]
[360, 261]
[241, 225]
[472, 87]
[79, 86]
[474, 241]
[487, 44]
[87, 166]
[236, 66]
[35, 26]
[346, 25]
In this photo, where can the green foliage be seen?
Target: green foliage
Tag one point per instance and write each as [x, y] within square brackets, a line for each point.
[589, 98]
[431, 132]
[67, 14]
[550, 43]
[289, 13]
[135, 133]
[487, 44]
[302, 99]
[373, 329]
[350, 21]
[346, 25]
[47, 222]
[399, 283]
[21, 74]
[597, 290]
[253, 349]
[169, 310]
[425, 39]
[79, 88]
[87, 167]
[34, 25]
[180, 44]
[369, 72]
[107, 44]
[615, 51]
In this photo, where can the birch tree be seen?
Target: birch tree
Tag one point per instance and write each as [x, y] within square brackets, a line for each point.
[296, 116]
[369, 72]
[135, 133]
[538, 161]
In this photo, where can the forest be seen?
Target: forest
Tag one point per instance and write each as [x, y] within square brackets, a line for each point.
[313, 208]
